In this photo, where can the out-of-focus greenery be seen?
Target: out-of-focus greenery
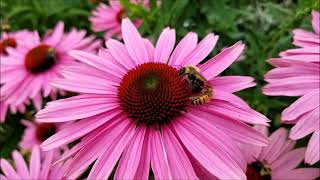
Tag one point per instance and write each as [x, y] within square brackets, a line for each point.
[263, 25]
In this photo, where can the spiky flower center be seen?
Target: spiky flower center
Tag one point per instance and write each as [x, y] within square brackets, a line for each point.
[120, 15]
[40, 59]
[9, 42]
[153, 94]
[45, 130]
[258, 171]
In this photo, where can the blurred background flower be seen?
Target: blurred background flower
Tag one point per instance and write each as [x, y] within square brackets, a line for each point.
[297, 73]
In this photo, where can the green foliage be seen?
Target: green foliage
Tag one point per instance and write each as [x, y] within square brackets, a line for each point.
[265, 26]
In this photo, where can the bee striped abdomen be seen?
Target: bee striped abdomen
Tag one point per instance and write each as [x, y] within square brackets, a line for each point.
[201, 100]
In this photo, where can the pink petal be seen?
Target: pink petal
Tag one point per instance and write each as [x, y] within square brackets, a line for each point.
[76, 107]
[222, 61]
[303, 38]
[159, 162]
[77, 130]
[316, 21]
[236, 112]
[108, 159]
[21, 166]
[287, 72]
[289, 61]
[99, 63]
[179, 164]
[289, 160]
[102, 142]
[289, 145]
[202, 50]
[232, 83]
[3, 177]
[150, 49]
[304, 104]
[201, 172]
[120, 53]
[216, 140]
[301, 173]
[8, 170]
[298, 51]
[185, 47]
[35, 163]
[46, 165]
[93, 136]
[129, 161]
[306, 124]
[230, 98]
[57, 34]
[134, 42]
[313, 150]
[235, 129]
[277, 141]
[206, 151]
[82, 86]
[165, 45]
[88, 75]
[83, 71]
[3, 111]
[144, 163]
[296, 86]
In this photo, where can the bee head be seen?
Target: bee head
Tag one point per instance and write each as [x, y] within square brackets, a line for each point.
[182, 71]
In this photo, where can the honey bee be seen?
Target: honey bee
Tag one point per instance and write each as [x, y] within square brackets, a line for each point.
[198, 85]
[204, 97]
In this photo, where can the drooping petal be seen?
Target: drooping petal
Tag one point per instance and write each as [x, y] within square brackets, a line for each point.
[159, 162]
[235, 129]
[198, 145]
[129, 161]
[237, 112]
[108, 159]
[179, 164]
[144, 163]
[101, 142]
